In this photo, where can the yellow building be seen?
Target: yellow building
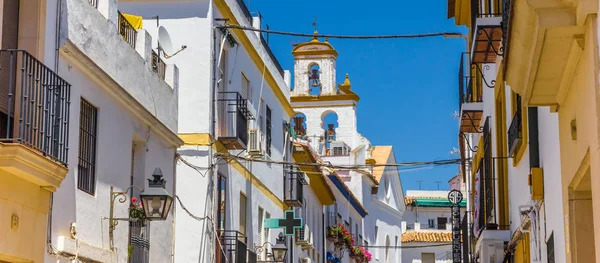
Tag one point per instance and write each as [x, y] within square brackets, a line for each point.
[33, 135]
[547, 54]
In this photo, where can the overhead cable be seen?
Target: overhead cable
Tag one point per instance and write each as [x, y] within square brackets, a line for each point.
[329, 165]
[341, 36]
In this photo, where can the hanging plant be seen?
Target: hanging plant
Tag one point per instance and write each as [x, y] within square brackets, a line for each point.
[136, 210]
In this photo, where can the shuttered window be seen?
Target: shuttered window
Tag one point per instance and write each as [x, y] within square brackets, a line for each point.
[88, 120]
[260, 225]
[246, 93]
[243, 214]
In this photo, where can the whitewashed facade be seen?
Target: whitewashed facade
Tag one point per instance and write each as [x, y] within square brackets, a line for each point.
[122, 125]
[230, 86]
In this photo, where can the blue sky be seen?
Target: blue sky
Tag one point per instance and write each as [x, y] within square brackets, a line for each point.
[408, 87]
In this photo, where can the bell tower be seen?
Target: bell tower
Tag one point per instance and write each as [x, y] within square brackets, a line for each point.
[314, 68]
[325, 110]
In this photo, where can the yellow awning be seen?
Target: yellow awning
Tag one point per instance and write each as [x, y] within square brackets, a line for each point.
[135, 21]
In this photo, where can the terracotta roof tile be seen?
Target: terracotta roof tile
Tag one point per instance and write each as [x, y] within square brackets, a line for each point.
[431, 237]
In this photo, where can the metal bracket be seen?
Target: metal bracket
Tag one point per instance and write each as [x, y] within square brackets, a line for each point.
[486, 67]
[481, 31]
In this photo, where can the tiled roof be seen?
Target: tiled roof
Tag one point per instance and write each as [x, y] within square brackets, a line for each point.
[431, 237]
[381, 155]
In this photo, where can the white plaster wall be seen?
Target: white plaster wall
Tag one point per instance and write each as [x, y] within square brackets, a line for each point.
[187, 23]
[117, 128]
[89, 31]
[441, 252]
[550, 162]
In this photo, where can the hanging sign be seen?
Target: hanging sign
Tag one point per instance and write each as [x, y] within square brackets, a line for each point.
[455, 197]
[289, 223]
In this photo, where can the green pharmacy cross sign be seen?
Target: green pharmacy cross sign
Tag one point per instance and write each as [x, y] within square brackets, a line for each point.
[289, 222]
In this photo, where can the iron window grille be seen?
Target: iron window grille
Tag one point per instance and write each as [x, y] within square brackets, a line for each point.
[36, 113]
[515, 131]
[294, 183]
[487, 184]
[127, 31]
[158, 65]
[88, 122]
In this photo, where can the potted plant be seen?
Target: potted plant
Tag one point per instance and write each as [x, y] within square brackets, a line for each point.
[356, 253]
[366, 255]
[136, 210]
[348, 239]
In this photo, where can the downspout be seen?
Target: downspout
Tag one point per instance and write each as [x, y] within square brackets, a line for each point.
[174, 210]
[56, 43]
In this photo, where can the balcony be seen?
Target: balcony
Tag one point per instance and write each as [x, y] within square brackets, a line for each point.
[485, 218]
[470, 98]
[544, 41]
[35, 110]
[234, 247]
[127, 31]
[486, 18]
[232, 130]
[294, 183]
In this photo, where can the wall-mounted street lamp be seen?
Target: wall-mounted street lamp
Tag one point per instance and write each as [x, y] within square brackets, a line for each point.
[156, 203]
[278, 251]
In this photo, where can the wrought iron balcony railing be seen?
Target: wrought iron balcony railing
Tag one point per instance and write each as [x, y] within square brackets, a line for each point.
[515, 132]
[233, 245]
[139, 239]
[158, 65]
[505, 24]
[34, 110]
[468, 90]
[127, 31]
[487, 185]
[233, 120]
[293, 186]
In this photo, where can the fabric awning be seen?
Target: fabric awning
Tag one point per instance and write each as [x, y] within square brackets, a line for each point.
[425, 202]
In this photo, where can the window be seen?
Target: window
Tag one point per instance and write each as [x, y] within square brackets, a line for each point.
[243, 214]
[266, 232]
[261, 118]
[442, 222]
[221, 209]
[88, 121]
[431, 223]
[375, 242]
[427, 257]
[268, 124]
[260, 225]
[350, 226]
[246, 92]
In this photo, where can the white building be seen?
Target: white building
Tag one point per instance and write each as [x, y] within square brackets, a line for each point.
[234, 104]
[515, 170]
[122, 125]
[427, 227]
[326, 118]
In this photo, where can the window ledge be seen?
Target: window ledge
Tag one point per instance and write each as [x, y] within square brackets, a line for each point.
[69, 246]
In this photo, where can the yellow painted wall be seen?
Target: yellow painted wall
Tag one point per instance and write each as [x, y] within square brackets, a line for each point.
[581, 103]
[30, 203]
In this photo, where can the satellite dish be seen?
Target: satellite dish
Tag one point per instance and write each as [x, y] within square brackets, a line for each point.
[164, 41]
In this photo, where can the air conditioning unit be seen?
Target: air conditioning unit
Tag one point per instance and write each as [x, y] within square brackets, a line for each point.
[256, 143]
[304, 237]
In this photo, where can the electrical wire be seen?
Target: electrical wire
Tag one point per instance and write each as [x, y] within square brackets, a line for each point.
[341, 36]
[404, 247]
[328, 165]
